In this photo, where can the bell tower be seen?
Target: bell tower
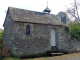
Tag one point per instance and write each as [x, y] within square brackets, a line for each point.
[47, 10]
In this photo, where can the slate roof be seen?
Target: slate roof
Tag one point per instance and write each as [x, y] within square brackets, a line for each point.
[23, 15]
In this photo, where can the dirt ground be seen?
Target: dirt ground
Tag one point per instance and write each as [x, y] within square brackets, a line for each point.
[74, 56]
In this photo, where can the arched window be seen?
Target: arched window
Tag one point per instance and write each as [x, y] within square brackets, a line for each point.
[28, 30]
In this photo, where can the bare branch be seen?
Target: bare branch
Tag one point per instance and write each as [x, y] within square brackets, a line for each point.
[73, 11]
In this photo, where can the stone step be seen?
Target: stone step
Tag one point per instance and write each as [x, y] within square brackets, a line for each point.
[56, 54]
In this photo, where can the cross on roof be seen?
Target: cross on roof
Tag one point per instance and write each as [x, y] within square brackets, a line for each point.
[47, 9]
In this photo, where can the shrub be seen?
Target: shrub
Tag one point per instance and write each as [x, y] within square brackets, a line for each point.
[1, 39]
[4, 52]
[1, 36]
[74, 30]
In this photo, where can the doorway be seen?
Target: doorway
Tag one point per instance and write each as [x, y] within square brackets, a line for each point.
[53, 42]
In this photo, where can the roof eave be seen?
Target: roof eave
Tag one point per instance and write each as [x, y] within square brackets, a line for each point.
[40, 23]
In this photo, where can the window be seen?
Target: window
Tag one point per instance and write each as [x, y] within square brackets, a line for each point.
[28, 30]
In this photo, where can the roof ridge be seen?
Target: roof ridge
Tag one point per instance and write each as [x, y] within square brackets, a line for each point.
[24, 9]
[30, 10]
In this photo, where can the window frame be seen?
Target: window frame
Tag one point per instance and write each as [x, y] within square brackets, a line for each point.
[28, 27]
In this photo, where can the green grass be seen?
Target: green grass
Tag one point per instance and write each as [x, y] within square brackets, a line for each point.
[11, 58]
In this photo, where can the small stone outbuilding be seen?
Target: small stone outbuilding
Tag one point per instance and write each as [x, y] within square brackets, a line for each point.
[29, 32]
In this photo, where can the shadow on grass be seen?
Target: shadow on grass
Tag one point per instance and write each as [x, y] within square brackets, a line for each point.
[47, 54]
[30, 56]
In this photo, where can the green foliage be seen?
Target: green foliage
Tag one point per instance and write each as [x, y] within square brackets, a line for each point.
[10, 42]
[1, 36]
[74, 30]
[11, 58]
[1, 39]
[1, 44]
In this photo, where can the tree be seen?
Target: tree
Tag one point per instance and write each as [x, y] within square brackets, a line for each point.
[74, 10]
[63, 17]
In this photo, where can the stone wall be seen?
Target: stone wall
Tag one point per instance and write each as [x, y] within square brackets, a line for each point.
[67, 43]
[38, 42]
[8, 23]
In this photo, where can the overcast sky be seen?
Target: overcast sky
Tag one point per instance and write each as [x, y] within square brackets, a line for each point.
[35, 5]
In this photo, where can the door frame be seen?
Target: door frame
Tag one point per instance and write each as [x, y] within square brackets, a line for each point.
[53, 37]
